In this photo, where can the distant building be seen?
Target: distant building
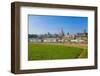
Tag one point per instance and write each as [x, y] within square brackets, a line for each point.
[34, 40]
[50, 40]
[60, 38]
[61, 34]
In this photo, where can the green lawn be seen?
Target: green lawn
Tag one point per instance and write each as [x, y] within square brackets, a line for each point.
[38, 51]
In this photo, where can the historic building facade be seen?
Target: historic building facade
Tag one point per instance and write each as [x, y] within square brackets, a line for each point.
[61, 37]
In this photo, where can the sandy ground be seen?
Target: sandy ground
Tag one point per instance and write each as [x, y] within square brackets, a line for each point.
[77, 45]
[80, 45]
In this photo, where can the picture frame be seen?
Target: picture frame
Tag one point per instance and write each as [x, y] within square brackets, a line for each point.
[19, 37]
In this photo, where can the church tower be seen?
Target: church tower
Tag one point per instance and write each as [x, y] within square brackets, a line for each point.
[62, 32]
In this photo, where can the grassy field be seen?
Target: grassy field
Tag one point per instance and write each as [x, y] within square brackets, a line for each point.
[37, 51]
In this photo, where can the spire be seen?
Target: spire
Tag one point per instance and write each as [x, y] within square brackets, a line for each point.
[62, 32]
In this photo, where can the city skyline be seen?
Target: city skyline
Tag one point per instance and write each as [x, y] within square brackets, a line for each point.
[39, 24]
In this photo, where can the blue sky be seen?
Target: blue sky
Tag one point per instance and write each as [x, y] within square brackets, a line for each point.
[39, 24]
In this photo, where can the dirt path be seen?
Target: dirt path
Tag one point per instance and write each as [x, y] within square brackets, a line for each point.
[83, 54]
[80, 45]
